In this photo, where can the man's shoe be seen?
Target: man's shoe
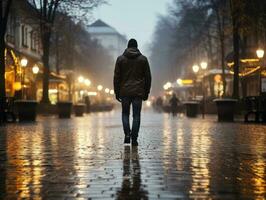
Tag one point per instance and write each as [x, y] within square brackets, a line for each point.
[127, 139]
[134, 142]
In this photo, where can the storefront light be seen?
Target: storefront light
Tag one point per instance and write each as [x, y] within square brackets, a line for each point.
[17, 86]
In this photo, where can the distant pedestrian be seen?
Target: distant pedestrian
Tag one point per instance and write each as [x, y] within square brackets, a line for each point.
[174, 101]
[159, 104]
[88, 104]
[132, 83]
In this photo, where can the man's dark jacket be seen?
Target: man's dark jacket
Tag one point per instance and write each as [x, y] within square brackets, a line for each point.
[132, 77]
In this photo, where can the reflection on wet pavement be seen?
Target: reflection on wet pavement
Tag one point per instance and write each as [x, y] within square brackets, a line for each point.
[83, 158]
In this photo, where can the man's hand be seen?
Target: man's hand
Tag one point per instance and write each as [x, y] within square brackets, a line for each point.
[145, 98]
[118, 98]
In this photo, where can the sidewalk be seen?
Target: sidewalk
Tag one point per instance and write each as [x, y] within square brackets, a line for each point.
[84, 158]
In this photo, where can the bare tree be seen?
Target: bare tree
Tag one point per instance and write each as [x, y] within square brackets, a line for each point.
[47, 13]
[5, 6]
[237, 14]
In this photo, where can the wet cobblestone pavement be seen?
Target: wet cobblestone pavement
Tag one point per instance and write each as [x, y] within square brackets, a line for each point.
[177, 158]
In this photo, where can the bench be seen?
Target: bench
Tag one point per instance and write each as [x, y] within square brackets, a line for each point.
[255, 105]
[10, 115]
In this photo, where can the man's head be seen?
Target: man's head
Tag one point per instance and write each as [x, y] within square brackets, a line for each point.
[132, 43]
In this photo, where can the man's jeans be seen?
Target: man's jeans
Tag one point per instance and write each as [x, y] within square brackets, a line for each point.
[137, 104]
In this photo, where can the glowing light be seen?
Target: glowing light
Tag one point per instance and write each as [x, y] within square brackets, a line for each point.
[218, 78]
[17, 86]
[204, 65]
[53, 91]
[195, 68]
[165, 87]
[92, 93]
[107, 90]
[112, 92]
[81, 92]
[260, 53]
[169, 84]
[99, 87]
[87, 82]
[187, 82]
[35, 69]
[81, 79]
[179, 81]
[148, 103]
[24, 62]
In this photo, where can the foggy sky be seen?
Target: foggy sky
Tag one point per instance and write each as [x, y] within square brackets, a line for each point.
[133, 18]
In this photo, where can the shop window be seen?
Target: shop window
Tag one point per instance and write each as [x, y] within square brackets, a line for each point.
[24, 36]
[34, 41]
[10, 36]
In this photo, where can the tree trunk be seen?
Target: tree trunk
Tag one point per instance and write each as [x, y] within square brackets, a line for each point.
[235, 12]
[223, 65]
[221, 26]
[2, 78]
[46, 70]
[236, 59]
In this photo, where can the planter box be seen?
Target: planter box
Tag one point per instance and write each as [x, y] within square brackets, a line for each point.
[192, 108]
[101, 107]
[64, 109]
[225, 109]
[79, 109]
[26, 110]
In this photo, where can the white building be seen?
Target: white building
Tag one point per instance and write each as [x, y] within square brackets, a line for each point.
[108, 37]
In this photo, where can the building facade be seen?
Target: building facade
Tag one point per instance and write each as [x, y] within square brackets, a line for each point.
[23, 42]
[108, 37]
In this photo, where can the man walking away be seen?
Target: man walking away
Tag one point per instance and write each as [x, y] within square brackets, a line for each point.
[174, 104]
[132, 83]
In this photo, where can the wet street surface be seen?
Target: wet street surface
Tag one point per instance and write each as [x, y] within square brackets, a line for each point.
[177, 158]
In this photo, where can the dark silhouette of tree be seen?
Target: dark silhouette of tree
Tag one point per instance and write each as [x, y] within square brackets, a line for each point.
[47, 13]
[75, 50]
[5, 6]
[176, 40]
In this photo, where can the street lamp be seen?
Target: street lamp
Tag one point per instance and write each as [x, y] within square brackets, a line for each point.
[167, 86]
[179, 81]
[87, 82]
[107, 90]
[81, 79]
[195, 68]
[260, 55]
[99, 87]
[35, 69]
[24, 63]
[204, 65]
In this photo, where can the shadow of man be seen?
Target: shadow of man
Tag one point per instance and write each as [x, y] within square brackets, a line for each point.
[131, 185]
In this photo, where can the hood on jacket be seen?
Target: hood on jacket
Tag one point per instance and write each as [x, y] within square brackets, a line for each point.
[132, 53]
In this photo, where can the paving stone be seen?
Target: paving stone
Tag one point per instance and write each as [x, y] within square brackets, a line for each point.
[177, 158]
